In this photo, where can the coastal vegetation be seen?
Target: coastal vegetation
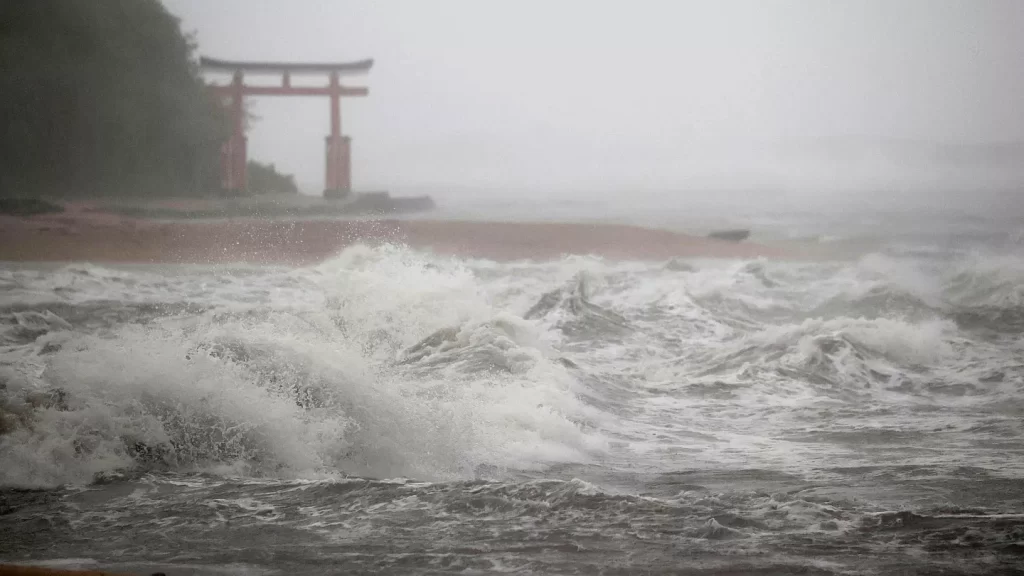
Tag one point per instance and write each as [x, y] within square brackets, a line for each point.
[103, 98]
[265, 179]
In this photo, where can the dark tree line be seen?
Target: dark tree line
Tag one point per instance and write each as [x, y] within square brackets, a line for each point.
[102, 97]
[265, 179]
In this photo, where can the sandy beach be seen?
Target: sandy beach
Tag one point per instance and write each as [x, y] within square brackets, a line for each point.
[82, 235]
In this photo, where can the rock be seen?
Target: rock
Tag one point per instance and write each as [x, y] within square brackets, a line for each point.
[730, 235]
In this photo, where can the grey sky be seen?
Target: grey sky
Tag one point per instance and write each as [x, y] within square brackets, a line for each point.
[577, 94]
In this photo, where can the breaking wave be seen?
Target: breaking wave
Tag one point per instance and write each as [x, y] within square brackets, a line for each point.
[270, 385]
[389, 363]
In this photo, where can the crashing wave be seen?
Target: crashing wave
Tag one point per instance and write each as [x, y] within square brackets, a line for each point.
[304, 386]
[581, 316]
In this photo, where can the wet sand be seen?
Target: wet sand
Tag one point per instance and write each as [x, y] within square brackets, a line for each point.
[100, 237]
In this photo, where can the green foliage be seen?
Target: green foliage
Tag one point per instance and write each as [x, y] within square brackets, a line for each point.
[102, 97]
[265, 179]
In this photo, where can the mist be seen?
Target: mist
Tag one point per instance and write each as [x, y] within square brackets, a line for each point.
[635, 287]
[651, 95]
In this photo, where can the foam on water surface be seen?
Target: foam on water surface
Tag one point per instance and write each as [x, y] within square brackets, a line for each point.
[751, 400]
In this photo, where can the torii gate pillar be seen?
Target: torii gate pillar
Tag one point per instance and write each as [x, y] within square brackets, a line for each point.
[233, 152]
[338, 180]
[339, 167]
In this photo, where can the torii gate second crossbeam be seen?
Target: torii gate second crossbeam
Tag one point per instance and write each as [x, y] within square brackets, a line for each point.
[339, 148]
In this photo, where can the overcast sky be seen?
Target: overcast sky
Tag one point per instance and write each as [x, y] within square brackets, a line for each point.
[660, 94]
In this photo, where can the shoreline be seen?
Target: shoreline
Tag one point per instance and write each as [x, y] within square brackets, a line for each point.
[82, 236]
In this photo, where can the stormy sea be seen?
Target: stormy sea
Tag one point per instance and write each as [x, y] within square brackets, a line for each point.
[391, 411]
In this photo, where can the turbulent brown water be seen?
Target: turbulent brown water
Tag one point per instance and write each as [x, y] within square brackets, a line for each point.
[394, 412]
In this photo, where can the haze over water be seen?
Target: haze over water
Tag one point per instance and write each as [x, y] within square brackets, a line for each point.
[579, 96]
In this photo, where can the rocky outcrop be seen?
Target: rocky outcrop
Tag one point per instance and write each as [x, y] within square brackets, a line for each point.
[730, 235]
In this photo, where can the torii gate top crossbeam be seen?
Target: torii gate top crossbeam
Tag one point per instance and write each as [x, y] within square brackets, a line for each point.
[340, 68]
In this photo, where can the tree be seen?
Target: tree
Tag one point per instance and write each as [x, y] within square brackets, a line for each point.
[265, 179]
[102, 97]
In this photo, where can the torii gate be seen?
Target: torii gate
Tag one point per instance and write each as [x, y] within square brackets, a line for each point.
[339, 148]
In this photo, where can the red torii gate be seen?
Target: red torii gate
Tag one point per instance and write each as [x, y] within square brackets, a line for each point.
[339, 148]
